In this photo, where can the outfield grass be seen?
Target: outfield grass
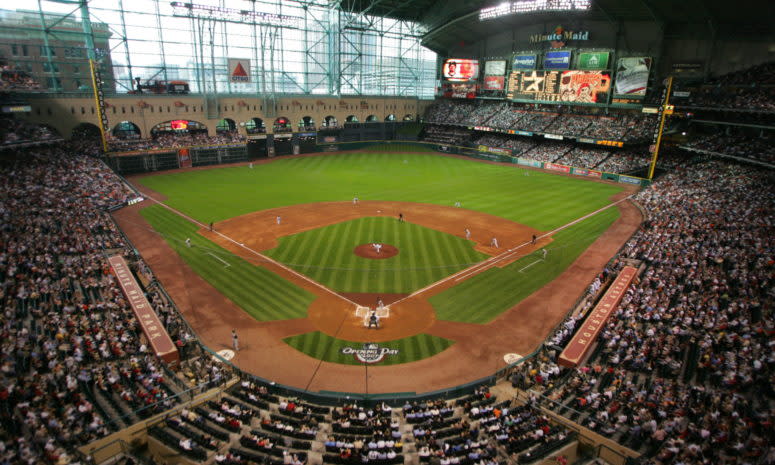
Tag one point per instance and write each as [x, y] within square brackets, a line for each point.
[541, 200]
[263, 294]
[326, 255]
[324, 347]
[483, 297]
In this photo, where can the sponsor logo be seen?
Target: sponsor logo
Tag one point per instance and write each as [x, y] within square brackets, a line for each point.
[528, 162]
[556, 60]
[553, 136]
[559, 37]
[524, 62]
[585, 140]
[369, 353]
[134, 201]
[629, 180]
[555, 167]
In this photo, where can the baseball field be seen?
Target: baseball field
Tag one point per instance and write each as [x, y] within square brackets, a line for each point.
[288, 239]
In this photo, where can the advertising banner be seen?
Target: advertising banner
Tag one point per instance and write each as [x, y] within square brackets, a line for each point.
[560, 86]
[632, 76]
[586, 172]
[494, 82]
[553, 136]
[184, 158]
[529, 162]
[520, 133]
[459, 89]
[154, 331]
[496, 150]
[593, 60]
[460, 70]
[495, 68]
[585, 140]
[555, 167]
[557, 60]
[523, 62]
[585, 337]
[239, 70]
[629, 180]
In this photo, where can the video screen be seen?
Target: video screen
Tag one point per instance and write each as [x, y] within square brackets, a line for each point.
[460, 70]
[560, 86]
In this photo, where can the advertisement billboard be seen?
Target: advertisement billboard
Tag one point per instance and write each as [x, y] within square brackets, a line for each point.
[523, 62]
[460, 70]
[560, 86]
[632, 76]
[494, 82]
[593, 60]
[459, 90]
[495, 68]
[557, 60]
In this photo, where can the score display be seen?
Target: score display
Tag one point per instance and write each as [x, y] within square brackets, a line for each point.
[559, 86]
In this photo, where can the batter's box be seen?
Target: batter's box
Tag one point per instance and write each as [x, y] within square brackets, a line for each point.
[364, 312]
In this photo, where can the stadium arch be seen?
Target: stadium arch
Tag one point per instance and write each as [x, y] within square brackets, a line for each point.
[225, 126]
[255, 125]
[372, 119]
[126, 130]
[85, 131]
[307, 123]
[330, 121]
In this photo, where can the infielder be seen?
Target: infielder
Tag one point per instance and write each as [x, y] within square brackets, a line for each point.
[468, 234]
[278, 220]
[494, 243]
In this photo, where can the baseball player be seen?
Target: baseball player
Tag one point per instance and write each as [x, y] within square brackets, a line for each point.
[494, 243]
[373, 320]
[278, 220]
[234, 340]
[188, 242]
[543, 253]
[468, 234]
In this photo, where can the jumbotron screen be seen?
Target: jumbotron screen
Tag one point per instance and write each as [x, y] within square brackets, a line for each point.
[560, 86]
[460, 69]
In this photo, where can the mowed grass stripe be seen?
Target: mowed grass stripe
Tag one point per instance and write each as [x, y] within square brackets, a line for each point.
[484, 296]
[324, 347]
[424, 255]
[263, 294]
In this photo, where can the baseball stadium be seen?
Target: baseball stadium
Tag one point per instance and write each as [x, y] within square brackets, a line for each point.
[420, 232]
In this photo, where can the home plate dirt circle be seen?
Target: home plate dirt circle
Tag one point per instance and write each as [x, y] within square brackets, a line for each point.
[369, 251]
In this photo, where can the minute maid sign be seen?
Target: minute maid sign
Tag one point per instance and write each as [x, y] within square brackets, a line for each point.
[559, 37]
[369, 353]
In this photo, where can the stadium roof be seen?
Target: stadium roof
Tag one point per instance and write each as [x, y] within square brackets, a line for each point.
[449, 21]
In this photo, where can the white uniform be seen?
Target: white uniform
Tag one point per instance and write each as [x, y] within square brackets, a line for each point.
[494, 242]
[468, 234]
[279, 220]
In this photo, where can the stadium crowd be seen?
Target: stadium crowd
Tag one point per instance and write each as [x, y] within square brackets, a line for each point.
[628, 127]
[749, 89]
[175, 140]
[14, 79]
[15, 131]
[75, 365]
[754, 148]
[685, 365]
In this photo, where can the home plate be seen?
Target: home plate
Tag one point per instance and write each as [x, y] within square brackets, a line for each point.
[511, 358]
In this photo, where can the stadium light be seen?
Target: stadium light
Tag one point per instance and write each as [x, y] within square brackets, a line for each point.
[532, 6]
[229, 14]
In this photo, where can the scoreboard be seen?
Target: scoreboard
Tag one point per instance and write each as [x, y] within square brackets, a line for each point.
[559, 86]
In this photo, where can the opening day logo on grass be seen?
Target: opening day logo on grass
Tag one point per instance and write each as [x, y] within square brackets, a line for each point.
[369, 353]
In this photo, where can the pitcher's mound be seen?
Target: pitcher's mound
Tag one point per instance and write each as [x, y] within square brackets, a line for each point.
[369, 251]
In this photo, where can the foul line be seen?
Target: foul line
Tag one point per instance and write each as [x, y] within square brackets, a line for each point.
[528, 266]
[219, 259]
[258, 254]
[492, 261]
